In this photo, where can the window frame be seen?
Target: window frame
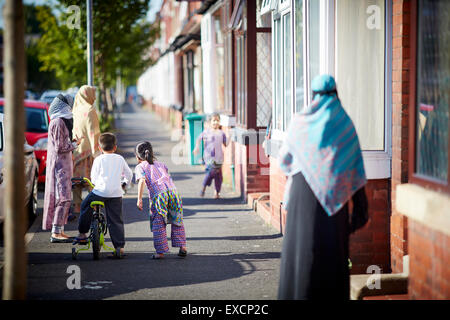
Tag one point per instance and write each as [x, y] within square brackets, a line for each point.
[268, 5]
[378, 163]
[278, 15]
[413, 177]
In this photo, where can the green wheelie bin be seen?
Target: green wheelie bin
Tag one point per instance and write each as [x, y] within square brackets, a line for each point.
[195, 127]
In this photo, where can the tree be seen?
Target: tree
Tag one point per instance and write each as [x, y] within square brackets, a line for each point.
[60, 49]
[121, 35]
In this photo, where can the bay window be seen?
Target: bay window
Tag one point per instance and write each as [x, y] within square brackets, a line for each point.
[349, 40]
[429, 107]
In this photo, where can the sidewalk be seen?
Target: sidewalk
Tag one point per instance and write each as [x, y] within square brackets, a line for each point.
[232, 253]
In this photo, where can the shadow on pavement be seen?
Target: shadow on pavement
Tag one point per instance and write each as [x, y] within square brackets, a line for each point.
[110, 280]
[211, 201]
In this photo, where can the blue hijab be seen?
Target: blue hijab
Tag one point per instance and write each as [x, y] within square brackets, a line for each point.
[321, 142]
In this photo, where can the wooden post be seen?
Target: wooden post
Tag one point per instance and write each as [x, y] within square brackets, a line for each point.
[15, 259]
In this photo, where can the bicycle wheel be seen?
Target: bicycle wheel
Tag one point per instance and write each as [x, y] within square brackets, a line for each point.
[95, 231]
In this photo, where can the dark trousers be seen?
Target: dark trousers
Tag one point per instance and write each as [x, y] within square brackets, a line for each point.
[114, 220]
[213, 174]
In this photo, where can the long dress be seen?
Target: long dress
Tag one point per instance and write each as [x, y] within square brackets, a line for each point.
[314, 260]
[86, 125]
[58, 185]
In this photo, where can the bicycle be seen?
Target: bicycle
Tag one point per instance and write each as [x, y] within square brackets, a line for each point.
[98, 229]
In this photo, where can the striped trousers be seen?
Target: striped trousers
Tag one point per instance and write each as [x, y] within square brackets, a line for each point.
[160, 243]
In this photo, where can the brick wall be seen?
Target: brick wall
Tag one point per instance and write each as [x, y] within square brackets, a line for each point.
[251, 172]
[227, 171]
[277, 187]
[370, 245]
[240, 168]
[429, 254]
[400, 99]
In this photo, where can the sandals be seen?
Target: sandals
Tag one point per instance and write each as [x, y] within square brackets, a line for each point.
[80, 240]
[60, 240]
[117, 256]
[182, 253]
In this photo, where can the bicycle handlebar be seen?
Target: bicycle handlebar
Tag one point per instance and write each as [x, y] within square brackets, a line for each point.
[82, 180]
[89, 182]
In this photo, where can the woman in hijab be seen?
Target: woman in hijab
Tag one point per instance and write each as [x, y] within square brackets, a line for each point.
[58, 183]
[85, 124]
[322, 158]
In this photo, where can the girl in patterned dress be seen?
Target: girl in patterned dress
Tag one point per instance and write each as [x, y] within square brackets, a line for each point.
[165, 202]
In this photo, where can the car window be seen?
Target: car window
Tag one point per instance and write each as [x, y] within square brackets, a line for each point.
[37, 120]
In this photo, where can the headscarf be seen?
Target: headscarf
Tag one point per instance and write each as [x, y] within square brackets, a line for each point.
[86, 123]
[322, 143]
[61, 107]
[87, 93]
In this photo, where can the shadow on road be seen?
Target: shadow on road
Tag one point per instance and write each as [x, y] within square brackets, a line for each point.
[146, 273]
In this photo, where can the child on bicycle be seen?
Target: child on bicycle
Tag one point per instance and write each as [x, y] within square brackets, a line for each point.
[107, 173]
[165, 202]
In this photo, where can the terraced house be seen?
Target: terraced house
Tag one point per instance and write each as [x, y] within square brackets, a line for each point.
[253, 62]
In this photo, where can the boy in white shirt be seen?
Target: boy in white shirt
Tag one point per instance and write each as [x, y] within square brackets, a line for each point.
[107, 172]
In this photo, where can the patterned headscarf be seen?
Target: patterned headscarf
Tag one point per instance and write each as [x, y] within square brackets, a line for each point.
[322, 143]
[61, 107]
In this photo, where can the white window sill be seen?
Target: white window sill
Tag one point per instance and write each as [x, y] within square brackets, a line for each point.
[426, 206]
[377, 164]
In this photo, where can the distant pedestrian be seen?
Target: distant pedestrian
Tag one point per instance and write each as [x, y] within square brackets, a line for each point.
[85, 124]
[322, 157]
[109, 171]
[58, 185]
[165, 202]
[214, 138]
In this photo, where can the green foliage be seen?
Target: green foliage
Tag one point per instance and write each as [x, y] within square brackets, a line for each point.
[121, 38]
[37, 80]
[61, 50]
[107, 123]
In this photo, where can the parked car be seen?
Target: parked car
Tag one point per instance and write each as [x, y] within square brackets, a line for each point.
[72, 91]
[36, 132]
[31, 95]
[49, 95]
[31, 175]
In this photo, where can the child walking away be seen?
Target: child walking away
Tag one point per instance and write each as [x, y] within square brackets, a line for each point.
[213, 139]
[106, 174]
[165, 203]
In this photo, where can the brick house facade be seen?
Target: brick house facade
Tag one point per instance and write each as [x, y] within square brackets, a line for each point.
[388, 31]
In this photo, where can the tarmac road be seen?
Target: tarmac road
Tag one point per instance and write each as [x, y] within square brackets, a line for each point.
[232, 253]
